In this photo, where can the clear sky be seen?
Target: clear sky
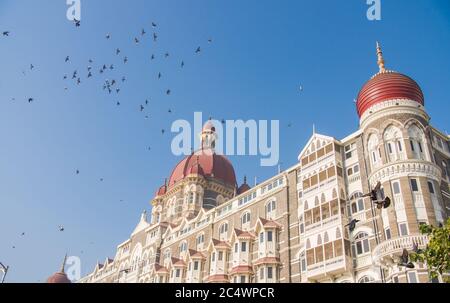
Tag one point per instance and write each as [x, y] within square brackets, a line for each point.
[262, 51]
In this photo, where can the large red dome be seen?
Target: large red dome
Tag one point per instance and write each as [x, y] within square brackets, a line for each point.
[385, 86]
[58, 278]
[207, 164]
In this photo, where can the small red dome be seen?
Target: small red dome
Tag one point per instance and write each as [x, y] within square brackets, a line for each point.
[58, 278]
[205, 163]
[388, 85]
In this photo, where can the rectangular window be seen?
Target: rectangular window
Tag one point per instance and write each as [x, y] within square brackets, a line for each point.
[178, 273]
[431, 187]
[412, 145]
[196, 265]
[356, 169]
[395, 279]
[349, 172]
[213, 257]
[269, 236]
[244, 246]
[414, 186]
[242, 279]
[348, 155]
[388, 234]
[403, 229]
[400, 147]
[390, 148]
[412, 277]
[396, 186]
[261, 238]
[360, 204]
[261, 273]
[302, 228]
[420, 147]
[269, 272]
[235, 247]
[220, 255]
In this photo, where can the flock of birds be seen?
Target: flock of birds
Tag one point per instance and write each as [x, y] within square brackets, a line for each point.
[110, 86]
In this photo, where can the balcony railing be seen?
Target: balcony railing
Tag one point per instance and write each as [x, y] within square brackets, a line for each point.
[394, 247]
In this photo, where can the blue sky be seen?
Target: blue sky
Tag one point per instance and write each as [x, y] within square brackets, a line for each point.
[262, 51]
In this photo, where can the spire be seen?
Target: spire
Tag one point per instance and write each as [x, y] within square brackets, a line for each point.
[314, 128]
[380, 61]
[64, 264]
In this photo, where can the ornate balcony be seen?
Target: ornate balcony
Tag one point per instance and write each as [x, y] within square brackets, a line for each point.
[405, 168]
[389, 252]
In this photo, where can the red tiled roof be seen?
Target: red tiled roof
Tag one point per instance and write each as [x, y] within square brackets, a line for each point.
[270, 223]
[244, 234]
[196, 254]
[241, 269]
[221, 244]
[218, 279]
[178, 262]
[161, 269]
[267, 260]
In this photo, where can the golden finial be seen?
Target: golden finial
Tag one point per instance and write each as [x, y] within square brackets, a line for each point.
[64, 264]
[380, 58]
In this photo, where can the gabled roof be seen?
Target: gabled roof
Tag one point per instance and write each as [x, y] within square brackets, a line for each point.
[194, 254]
[314, 137]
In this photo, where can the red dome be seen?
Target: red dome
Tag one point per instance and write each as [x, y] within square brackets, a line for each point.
[385, 86]
[207, 164]
[58, 278]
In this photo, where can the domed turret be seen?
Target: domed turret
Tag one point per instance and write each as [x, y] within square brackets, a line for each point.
[387, 85]
[59, 277]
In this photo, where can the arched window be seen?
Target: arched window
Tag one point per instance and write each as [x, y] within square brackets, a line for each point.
[362, 243]
[183, 247]
[306, 205]
[417, 142]
[270, 209]
[393, 144]
[316, 201]
[200, 239]
[322, 199]
[326, 238]
[308, 244]
[245, 218]
[374, 153]
[319, 240]
[223, 231]
[366, 279]
[357, 203]
[334, 196]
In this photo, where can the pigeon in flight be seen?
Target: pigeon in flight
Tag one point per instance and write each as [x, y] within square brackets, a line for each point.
[117, 90]
[352, 225]
[153, 57]
[301, 88]
[404, 260]
[23, 234]
[30, 100]
[74, 76]
[77, 172]
[168, 92]
[61, 228]
[117, 51]
[136, 40]
[198, 50]
[159, 75]
[90, 61]
[142, 108]
[182, 64]
[67, 59]
[78, 81]
[118, 103]
[210, 40]
[6, 34]
[146, 102]
[31, 66]
[89, 68]
[169, 111]
[125, 60]
[89, 75]
[166, 55]
[154, 24]
[65, 77]
[124, 79]
[155, 37]
[77, 22]
[111, 67]
[143, 32]
[416, 249]
[377, 197]
[108, 36]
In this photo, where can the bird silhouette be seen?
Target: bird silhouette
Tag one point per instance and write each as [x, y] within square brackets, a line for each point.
[77, 22]
[352, 225]
[136, 40]
[67, 59]
[6, 33]
[155, 37]
[168, 92]
[153, 57]
[182, 64]
[117, 51]
[108, 36]
[198, 50]
[125, 60]
[61, 228]
[377, 197]
[143, 32]
[30, 100]
[404, 260]
[154, 24]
